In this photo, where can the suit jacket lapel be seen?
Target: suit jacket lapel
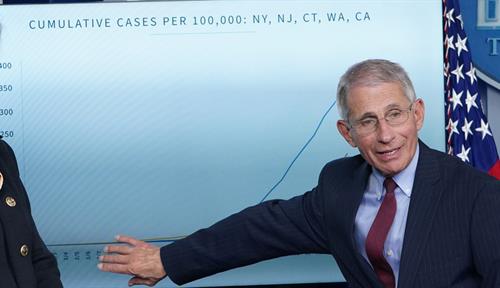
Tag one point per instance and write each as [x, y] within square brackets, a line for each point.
[424, 203]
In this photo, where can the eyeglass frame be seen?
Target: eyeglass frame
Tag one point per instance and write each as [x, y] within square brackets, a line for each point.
[377, 123]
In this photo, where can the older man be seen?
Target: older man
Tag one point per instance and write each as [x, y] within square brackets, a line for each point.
[398, 215]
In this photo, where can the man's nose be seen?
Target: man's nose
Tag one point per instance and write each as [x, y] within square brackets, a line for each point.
[385, 132]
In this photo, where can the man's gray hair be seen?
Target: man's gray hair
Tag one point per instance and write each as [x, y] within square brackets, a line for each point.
[371, 72]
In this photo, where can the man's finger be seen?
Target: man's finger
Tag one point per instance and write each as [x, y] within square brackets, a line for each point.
[130, 240]
[119, 249]
[114, 268]
[142, 281]
[117, 259]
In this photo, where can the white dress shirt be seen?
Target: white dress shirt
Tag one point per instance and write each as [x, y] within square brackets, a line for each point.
[372, 199]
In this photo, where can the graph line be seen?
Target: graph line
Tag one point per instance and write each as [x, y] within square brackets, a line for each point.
[149, 240]
[172, 239]
[299, 153]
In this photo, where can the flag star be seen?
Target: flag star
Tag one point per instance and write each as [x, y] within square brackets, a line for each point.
[458, 72]
[452, 128]
[449, 17]
[449, 41]
[459, 17]
[464, 155]
[461, 45]
[466, 128]
[484, 129]
[446, 70]
[470, 101]
[472, 74]
[455, 98]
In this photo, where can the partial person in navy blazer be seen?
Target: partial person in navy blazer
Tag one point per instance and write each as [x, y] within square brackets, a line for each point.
[25, 261]
[400, 214]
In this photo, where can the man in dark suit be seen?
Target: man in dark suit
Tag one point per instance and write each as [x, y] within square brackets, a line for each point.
[25, 261]
[398, 215]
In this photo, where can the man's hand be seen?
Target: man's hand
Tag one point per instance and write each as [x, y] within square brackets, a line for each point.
[138, 258]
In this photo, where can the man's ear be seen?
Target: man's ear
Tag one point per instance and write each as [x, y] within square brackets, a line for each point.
[345, 131]
[419, 112]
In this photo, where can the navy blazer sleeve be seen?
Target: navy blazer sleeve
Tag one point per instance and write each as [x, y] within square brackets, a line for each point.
[485, 233]
[39, 267]
[271, 229]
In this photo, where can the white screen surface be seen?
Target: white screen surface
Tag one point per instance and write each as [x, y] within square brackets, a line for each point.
[157, 119]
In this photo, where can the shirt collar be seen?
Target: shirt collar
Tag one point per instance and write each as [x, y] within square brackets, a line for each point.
[405, 178]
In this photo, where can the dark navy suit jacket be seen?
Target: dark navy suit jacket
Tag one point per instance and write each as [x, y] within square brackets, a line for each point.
[452, 236]
[36, 267]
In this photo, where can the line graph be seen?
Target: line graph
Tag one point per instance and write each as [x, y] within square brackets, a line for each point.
[169, 239]
[190, 123]
[299, 153]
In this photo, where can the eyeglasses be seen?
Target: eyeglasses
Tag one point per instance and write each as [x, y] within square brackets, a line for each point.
[394, 117]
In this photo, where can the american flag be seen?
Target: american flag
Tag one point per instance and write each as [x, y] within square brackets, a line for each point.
[468, 134]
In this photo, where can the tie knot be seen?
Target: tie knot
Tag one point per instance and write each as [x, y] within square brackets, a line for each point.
[390, 185]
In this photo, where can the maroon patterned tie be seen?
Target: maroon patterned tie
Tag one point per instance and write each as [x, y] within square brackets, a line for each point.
[378, 233]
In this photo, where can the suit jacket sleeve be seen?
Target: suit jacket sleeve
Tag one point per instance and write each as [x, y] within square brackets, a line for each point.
[485, 225]
[271, 229]
[43, 261]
